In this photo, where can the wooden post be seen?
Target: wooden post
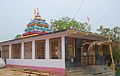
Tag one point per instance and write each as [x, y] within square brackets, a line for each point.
[111, 54]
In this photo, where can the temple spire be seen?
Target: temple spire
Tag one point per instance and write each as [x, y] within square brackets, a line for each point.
[37, 11]
[37, 26]
[34, 12]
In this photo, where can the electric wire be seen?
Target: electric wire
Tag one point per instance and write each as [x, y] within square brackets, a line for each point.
[109, 10]
[79, 8]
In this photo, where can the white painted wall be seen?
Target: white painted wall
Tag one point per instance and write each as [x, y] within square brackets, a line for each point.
[56, 63]
[47, 62]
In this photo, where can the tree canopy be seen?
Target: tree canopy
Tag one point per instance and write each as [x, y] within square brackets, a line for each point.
[18, 36]
[116, 54]
[69, 23]
[113, 32]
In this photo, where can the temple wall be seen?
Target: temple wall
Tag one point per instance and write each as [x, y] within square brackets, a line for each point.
[47, 62]
[57, 63]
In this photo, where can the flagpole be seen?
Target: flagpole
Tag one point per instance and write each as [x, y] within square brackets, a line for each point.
[34, 12]
[88, 21]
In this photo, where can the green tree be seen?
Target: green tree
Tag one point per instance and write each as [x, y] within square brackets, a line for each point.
[104, 31]
[113, 32]
[116, 54]
[69, 23]
[18, 36]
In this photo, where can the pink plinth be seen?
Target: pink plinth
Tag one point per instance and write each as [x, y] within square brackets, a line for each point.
[57, 71]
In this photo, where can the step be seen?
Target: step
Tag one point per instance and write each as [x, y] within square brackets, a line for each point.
[91, 71]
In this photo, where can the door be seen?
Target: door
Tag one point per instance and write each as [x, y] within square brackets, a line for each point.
[70, 52]
[87, 57]
[73, 52]
[100, 55]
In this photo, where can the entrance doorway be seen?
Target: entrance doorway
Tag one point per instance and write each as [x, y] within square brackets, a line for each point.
[87, 57]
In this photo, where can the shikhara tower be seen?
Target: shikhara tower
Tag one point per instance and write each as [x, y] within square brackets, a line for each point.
[37, 26]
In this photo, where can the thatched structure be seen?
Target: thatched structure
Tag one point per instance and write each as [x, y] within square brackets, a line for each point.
[102, 43]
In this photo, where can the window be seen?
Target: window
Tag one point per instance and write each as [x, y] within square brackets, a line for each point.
[55, 48]
[0, 53]
[28, 50]
[16, 51]
[40, 49]
[5, 52]
[71, 47]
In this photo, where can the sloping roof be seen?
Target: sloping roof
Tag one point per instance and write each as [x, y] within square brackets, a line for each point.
[88, 35]
[32, 36]
[70, 33]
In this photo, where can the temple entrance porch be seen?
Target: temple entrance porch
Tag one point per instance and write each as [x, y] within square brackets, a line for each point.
[79, 54]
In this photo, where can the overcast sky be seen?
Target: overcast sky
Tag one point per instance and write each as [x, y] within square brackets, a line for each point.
[15, 14]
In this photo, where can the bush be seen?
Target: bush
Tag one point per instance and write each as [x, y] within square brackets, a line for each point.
[116, 55]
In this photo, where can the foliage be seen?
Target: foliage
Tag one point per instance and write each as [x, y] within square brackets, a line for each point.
[116, 54]
[113, 32]
[18, 36]
[69, 23]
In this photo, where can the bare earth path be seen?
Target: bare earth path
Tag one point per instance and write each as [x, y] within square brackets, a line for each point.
[11, 72]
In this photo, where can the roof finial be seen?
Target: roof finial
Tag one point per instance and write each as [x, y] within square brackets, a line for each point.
[38, 11]
[34, 11]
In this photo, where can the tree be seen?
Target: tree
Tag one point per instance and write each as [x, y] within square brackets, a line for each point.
[116, 54]
[104, 31]
[113, 32]
[69, 23]
[18, 36]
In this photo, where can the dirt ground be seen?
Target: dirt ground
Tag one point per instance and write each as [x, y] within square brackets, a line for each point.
[12, 72]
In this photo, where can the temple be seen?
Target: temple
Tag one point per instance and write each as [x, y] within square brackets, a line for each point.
[58, 50]
[37, 26]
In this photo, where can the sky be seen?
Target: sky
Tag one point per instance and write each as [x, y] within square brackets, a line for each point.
[15, 14]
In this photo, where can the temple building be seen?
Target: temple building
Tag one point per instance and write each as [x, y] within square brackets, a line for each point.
[38, 46]
[37, 26]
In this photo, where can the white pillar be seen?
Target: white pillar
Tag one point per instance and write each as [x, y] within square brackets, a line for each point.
[47, 49]
[63, 47]
[33, 49]
[22, 50]
[10, 51]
